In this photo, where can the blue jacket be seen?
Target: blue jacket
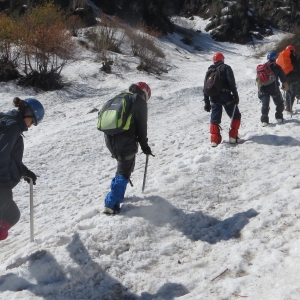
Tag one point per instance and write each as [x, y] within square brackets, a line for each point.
[11, 147]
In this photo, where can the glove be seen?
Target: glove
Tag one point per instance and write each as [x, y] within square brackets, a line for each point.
[31, 175]
[147, 150]
[285, 87]
[207, 106]
[236, 98]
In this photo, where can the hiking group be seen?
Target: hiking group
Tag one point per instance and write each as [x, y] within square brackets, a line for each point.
[123, 120]
[220, 91]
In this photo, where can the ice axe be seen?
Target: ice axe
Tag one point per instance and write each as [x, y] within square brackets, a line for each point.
[31, 208]
[232, 116]
[145, 173]
[290, 97]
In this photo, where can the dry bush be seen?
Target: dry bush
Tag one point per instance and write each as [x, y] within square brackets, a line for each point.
[140, 43]
[107, 36]
[293, 39]
[46, 15]
[47, 46]
[151, 64]
[9, 48]
[74, 24]
[107, 62]
[143, 46]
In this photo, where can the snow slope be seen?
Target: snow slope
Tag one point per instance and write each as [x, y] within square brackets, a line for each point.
[213, 223]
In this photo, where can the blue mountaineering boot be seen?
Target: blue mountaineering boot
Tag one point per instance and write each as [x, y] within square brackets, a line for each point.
[116, 195]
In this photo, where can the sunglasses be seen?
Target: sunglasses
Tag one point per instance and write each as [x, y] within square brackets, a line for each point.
[32, 119]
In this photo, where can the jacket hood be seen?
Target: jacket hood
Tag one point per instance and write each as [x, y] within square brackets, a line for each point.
[15, 117]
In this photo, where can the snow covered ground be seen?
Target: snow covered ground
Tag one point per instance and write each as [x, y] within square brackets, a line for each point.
[213, 223]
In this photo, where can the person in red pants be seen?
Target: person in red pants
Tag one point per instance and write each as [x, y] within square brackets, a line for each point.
[226, 97]
[12, 125]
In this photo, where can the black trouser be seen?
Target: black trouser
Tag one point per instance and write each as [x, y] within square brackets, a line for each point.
[125, 166]
[117, 145]
[265, 101]
[290, 95]
[9, 210]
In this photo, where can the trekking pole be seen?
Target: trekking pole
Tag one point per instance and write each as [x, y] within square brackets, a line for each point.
[232, 116]
[145, 173]
[31, 210]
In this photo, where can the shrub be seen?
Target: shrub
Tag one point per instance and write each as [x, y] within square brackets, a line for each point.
[47, 46]
[140, 42]
[74, 24]
[9, 50]
[292, 39]
[107, 36]
[143, 46]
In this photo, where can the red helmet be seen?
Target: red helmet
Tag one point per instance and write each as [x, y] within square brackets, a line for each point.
[145, 88]
[217, 57]
[290, 47]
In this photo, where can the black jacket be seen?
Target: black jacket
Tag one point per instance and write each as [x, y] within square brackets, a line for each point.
[294, 75]
[227, 75]
[273, 88]
[125, 144]
[11, 147]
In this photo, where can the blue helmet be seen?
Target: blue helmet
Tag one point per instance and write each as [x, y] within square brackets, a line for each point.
[37, 109]
[272, 56]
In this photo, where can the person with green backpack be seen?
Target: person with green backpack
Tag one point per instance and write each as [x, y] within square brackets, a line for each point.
[123, 120]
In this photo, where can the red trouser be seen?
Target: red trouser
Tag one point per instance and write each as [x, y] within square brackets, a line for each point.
[215, 133]
[234, 128]
[4, 227]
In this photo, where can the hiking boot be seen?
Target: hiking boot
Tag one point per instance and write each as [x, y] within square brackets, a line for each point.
[279, 121]
[264, 124]
[108, 211]
[117, 208]
[232, 140]
[214, 144]
[114, 211]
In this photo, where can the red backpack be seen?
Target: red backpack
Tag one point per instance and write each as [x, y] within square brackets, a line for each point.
[265, 75]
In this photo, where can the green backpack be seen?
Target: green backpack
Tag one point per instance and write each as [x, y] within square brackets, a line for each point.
[115, 115]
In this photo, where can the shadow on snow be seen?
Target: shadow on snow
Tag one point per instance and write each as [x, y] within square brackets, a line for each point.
[86, 281]
[275, 140]
[196, 225]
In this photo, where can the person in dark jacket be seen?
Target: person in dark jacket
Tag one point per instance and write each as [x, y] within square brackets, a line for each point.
[272, 90]
[12, 125]
[292, 78]
[227, 98]
[124, 146]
